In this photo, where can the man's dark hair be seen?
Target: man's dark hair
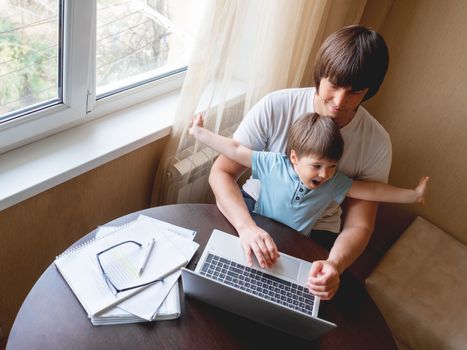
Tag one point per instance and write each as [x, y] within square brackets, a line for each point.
[313, 134]
[355, 57]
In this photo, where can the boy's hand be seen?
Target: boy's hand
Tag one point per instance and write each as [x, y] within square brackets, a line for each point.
[196, 124]
[420, 190]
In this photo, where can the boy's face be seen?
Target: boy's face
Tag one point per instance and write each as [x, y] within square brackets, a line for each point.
[337, 102]
[312, 170]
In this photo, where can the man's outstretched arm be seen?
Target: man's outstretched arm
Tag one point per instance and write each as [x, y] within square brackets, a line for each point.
[223, 181]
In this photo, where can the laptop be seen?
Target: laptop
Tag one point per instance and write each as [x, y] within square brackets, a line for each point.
[275, 297]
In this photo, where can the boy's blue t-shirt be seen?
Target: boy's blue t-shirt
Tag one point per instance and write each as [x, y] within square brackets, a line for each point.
[285, 198]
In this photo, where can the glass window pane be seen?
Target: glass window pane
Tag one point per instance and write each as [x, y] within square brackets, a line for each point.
[29, 49]
[139, 40]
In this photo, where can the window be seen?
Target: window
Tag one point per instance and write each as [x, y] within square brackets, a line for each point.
[137, 41]
[64, 62]
[29, 59]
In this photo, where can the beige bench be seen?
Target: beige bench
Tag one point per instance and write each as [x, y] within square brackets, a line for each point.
[420, 286]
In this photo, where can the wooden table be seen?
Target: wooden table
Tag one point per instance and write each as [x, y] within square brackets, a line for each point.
[52, 318]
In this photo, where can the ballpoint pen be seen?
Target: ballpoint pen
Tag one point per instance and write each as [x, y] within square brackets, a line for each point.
[146, 256]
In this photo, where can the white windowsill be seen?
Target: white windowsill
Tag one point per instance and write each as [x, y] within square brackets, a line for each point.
[41, 165]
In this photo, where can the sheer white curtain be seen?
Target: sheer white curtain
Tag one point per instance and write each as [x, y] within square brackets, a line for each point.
[244, 49]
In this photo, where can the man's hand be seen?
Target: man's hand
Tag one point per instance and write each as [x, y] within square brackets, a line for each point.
[258, 242]
[323, 279]
[359, 216]
[255, 240]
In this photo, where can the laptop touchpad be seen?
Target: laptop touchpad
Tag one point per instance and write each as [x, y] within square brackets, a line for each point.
[285, 266]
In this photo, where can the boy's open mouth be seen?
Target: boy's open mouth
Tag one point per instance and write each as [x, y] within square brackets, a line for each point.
[316, 182]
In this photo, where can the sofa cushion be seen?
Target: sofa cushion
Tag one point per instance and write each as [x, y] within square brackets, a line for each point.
[420, 286]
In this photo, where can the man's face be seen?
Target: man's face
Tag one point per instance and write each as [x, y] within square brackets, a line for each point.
[337, 102]
[312, 170]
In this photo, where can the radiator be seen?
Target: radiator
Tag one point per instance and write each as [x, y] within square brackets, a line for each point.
[187, 176]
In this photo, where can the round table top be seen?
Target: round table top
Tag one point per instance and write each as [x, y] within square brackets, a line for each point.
[52, 318]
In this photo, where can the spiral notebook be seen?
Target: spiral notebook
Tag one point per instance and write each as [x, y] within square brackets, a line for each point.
[80, 269]
[160, 301]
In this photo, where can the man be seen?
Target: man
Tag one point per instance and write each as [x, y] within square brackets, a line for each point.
[350, 67]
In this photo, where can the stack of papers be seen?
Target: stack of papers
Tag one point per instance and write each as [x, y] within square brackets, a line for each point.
[157, 301]
[169, 310]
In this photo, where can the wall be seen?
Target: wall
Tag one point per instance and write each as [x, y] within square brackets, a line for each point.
[423, 105]
[33, 232]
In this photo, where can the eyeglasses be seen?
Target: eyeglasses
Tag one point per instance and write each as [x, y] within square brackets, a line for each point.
[111, 284]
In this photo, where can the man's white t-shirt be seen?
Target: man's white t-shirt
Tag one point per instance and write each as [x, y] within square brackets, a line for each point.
[367, 146]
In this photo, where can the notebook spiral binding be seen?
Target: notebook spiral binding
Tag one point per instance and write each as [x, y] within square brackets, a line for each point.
[73, 250]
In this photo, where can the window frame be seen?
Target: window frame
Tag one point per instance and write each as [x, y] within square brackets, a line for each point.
[79, 104]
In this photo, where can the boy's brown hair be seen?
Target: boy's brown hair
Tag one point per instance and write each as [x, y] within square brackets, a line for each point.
[313, 134]
[355, 57]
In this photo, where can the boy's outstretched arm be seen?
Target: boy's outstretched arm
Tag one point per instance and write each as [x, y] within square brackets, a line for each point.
[228, 147]
[381, 192]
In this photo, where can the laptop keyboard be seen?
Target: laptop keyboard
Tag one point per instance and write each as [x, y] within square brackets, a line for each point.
[258, 283]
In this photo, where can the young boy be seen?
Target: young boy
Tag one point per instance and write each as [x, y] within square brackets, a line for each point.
[296, 188]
